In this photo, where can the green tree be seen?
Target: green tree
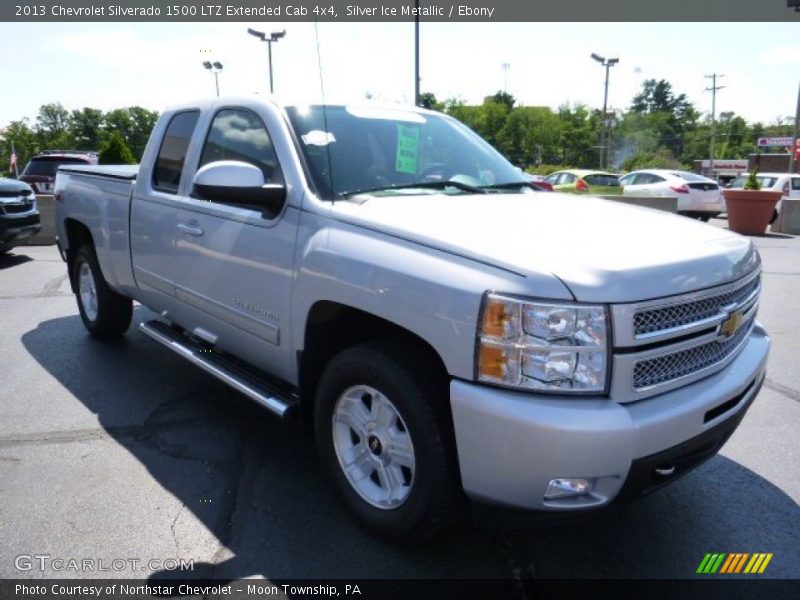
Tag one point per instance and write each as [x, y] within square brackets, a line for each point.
[579, 135]
[428, 100]
[115, 151]
[52, 125]
[24, 140]
[670, 116]
[134, 124]
[503, 98]
[86, 128]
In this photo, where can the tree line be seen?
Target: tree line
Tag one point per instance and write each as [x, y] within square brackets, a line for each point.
[120, 135]
[660, 129]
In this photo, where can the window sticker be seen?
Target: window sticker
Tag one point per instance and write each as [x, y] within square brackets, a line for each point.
[407, 149]
[317, 137]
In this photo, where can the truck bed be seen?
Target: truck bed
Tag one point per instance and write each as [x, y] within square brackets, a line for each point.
[98, 197]
[127, 172]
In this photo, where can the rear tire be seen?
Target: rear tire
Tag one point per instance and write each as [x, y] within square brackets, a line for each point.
[385, 437]
[774, 217]
[105, 313]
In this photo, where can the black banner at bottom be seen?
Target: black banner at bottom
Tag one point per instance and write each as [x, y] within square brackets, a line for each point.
[404, 589]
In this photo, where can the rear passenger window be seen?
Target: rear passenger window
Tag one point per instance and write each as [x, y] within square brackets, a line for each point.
[796, 183]
[607, 180]
[239, 134]
[172, 154]
[627, 180]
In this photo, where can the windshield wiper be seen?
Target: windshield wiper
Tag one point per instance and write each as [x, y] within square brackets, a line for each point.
[434, 185]
[509, 186]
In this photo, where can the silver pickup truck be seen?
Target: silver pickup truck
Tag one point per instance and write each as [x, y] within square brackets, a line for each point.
[449, 335]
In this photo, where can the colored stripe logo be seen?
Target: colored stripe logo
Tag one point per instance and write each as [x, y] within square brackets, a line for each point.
[734, 562]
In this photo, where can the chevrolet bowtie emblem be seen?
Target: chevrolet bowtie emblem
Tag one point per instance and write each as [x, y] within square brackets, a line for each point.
[731, 325]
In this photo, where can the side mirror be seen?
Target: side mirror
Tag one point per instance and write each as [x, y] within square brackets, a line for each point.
[239, 183]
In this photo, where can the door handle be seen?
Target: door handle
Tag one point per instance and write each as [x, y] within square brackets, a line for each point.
[190, 229]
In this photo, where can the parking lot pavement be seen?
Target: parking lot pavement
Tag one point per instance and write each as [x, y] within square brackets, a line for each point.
[124, 451]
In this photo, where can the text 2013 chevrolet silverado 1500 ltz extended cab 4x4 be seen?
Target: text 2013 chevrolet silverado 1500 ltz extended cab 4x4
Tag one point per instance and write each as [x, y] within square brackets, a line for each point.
[447, 333]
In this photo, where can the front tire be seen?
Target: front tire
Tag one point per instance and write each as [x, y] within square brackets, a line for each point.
[105, 314]
[384, 435]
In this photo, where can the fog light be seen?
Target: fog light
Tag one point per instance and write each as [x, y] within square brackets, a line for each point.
[566, 488]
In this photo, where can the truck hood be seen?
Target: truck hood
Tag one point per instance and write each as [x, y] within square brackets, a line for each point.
[13, 185]
[604, 251]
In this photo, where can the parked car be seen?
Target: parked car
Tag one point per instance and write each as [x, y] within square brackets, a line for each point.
[582, 181]
[698, 196]
[787, 183]
[19, 217]
[446, 334]
[537, 181]
[40, 172]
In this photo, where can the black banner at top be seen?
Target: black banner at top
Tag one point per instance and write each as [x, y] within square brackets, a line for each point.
[398, 10]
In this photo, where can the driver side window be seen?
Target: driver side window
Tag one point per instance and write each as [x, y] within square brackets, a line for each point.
[239, 134]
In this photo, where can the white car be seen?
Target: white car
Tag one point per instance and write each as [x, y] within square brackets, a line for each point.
[788, 183]
[698, 196]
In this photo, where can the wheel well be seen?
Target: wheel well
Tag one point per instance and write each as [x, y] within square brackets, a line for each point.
[333, 327]
[77, 235]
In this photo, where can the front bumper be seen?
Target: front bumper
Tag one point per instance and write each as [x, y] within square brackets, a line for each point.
[14, 228]
[512, 444]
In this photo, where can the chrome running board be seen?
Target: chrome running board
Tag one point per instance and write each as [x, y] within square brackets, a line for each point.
[232, 374]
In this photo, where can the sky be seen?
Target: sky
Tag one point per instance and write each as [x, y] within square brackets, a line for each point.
[113, 65]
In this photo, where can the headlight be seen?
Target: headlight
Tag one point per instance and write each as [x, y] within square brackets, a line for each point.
[542, 345]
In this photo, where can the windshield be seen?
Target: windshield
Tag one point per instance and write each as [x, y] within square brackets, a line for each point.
[49, 166]
[353, 149]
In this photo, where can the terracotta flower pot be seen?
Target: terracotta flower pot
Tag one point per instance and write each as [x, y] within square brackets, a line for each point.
[749, 211]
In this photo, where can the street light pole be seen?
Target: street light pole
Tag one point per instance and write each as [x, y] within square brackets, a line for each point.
[795, 137]
[607, 63]
[273, 37]
[506, 66]
[215, 69]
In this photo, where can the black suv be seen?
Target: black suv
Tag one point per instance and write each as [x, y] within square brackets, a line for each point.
[19, 217]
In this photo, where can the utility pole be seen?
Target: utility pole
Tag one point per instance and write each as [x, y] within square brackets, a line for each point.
[793, 149]
[416, 54]
[506, 66]
[713, 89]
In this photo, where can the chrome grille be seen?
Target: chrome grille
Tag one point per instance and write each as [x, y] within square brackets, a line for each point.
[667, 317]
[14, 193]
[668, 367]
[11, 209]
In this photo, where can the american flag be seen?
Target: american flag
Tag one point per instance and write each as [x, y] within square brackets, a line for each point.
[12, 162]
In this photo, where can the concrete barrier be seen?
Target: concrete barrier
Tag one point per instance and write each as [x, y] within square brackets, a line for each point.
[47, 210]
[665, 203]
[789, 217]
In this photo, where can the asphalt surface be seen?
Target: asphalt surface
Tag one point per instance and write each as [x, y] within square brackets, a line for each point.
[124, 451]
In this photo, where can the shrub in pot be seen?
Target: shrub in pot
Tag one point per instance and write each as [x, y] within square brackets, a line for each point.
[750, 209]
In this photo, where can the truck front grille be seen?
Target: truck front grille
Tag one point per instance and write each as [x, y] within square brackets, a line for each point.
[655, 320]
[674, 365]
[11, 209]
